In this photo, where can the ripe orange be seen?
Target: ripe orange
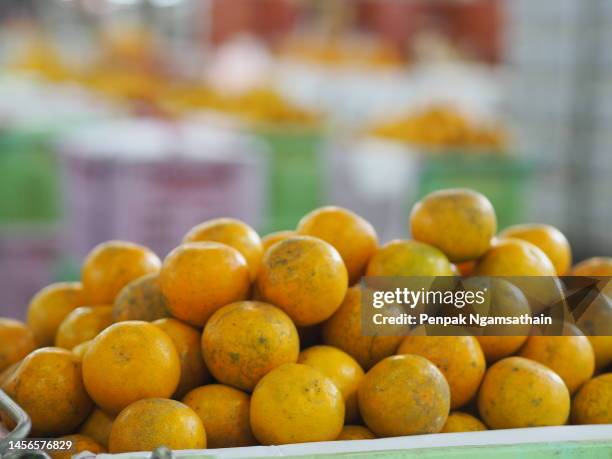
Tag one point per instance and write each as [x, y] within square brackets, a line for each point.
[462, 422]
[272, 238]
[596, 266]
[498, 347]
[409, 258]
[459, 358]
[234, 233]
[244, 341]
[602, 346]
[343, 330]
[152, 422]
[225, 412]
[198, 278]
[295, 403]
[80, 349]
[514, 257]
[130, 361]
[354, 238]
[49, 308]
[305, 277]
[16, 341]
[571, 357]
[353, 432]
[548, 239]
[517, 392]
[459, 222]
[186, 339]
[342, 369]
[404, 395]
[112, 265]
[141, 299]
[80, 444]
[83, 324]
[98, 427]
[49, 387]
[593, 402]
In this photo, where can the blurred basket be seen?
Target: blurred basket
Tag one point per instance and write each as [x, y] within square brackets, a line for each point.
[149, 181]
[294, 186]
[505, 180]
[29, 188]
[28, 260]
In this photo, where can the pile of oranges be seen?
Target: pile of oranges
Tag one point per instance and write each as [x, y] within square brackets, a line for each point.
[236, 340]
[443, 128]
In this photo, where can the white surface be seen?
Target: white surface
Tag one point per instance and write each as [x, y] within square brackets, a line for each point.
[490, 437]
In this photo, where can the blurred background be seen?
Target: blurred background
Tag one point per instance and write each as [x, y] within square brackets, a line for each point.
[136, 119]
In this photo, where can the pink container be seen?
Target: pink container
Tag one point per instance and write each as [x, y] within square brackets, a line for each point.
[150, 181]
[28, 257]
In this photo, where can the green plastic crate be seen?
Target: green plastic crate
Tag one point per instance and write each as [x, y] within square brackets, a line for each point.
[294, 175]
[505, 180]
[29, 183]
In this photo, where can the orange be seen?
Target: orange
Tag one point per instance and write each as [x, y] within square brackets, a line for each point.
[343, 330]
[498, 347]
[152, 422]
[80, 349]
[517, 392]
[186, 339]
[295, 403]
[593, 402]
[224, 411]
[110, 266]
[514, 257]
[49, 387]
[459, 358]
[98, 427]
[243, 341]
[571, 357]
[342, 369]
[462, 422]
[404, 395]
[80, 444]
[83, 324]
[234, 233]
[16, 341]
[351, 432]
[49, 308]
[548, 239]
[6, 374]
[354, 238]
[272, 238]
[409, 258]
[130, 361]
[602, 346]
[305, 277]
[141, 299]
[596, 266]
[197, 278]
[504, 299]
[459, 222]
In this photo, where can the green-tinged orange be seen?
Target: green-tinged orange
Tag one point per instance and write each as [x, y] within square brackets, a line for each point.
[234, 233]
[404, 395]
[225, 413]
[198, 278]
[295, 403]
[112, 265]
[305, 277]
[244, 341]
